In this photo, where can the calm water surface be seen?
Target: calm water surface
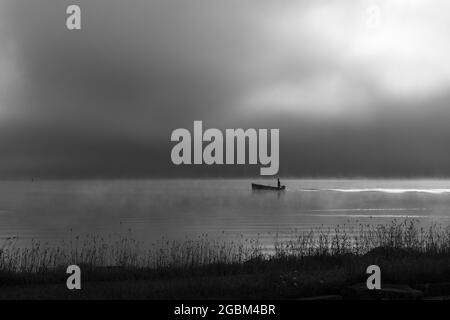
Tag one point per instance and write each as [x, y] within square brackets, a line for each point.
[150, 209]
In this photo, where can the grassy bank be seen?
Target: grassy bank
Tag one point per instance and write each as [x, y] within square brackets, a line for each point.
[319, 262]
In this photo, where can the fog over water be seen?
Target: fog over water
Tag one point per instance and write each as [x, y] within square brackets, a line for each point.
[147, 210]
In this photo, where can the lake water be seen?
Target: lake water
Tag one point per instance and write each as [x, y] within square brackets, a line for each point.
[174, 209]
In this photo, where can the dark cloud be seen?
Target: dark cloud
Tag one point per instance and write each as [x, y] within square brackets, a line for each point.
[102, 102]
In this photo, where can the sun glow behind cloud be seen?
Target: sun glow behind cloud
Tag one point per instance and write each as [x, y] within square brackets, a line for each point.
[346, 63]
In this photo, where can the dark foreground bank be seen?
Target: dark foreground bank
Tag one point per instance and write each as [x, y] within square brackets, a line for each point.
[333, 277]
[414, 263]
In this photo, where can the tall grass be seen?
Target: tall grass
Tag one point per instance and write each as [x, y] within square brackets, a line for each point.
[124, 251]
[406, 235]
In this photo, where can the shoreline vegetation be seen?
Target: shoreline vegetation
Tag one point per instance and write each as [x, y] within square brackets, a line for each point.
[321, 262]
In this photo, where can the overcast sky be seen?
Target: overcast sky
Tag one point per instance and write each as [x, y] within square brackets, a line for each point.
[357, 88]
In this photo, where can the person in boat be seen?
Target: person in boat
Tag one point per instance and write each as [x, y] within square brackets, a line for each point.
[278, 183]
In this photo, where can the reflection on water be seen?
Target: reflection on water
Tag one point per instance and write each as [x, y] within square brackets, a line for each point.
[55, 210]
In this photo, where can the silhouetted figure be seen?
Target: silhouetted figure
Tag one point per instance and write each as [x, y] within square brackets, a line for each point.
[278, 182]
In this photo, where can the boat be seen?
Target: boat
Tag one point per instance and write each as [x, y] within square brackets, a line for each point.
[256, 186]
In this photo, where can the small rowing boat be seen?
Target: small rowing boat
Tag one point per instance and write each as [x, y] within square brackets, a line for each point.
[256, 186]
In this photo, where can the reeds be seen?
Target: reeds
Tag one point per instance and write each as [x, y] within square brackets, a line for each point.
[123, 251]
